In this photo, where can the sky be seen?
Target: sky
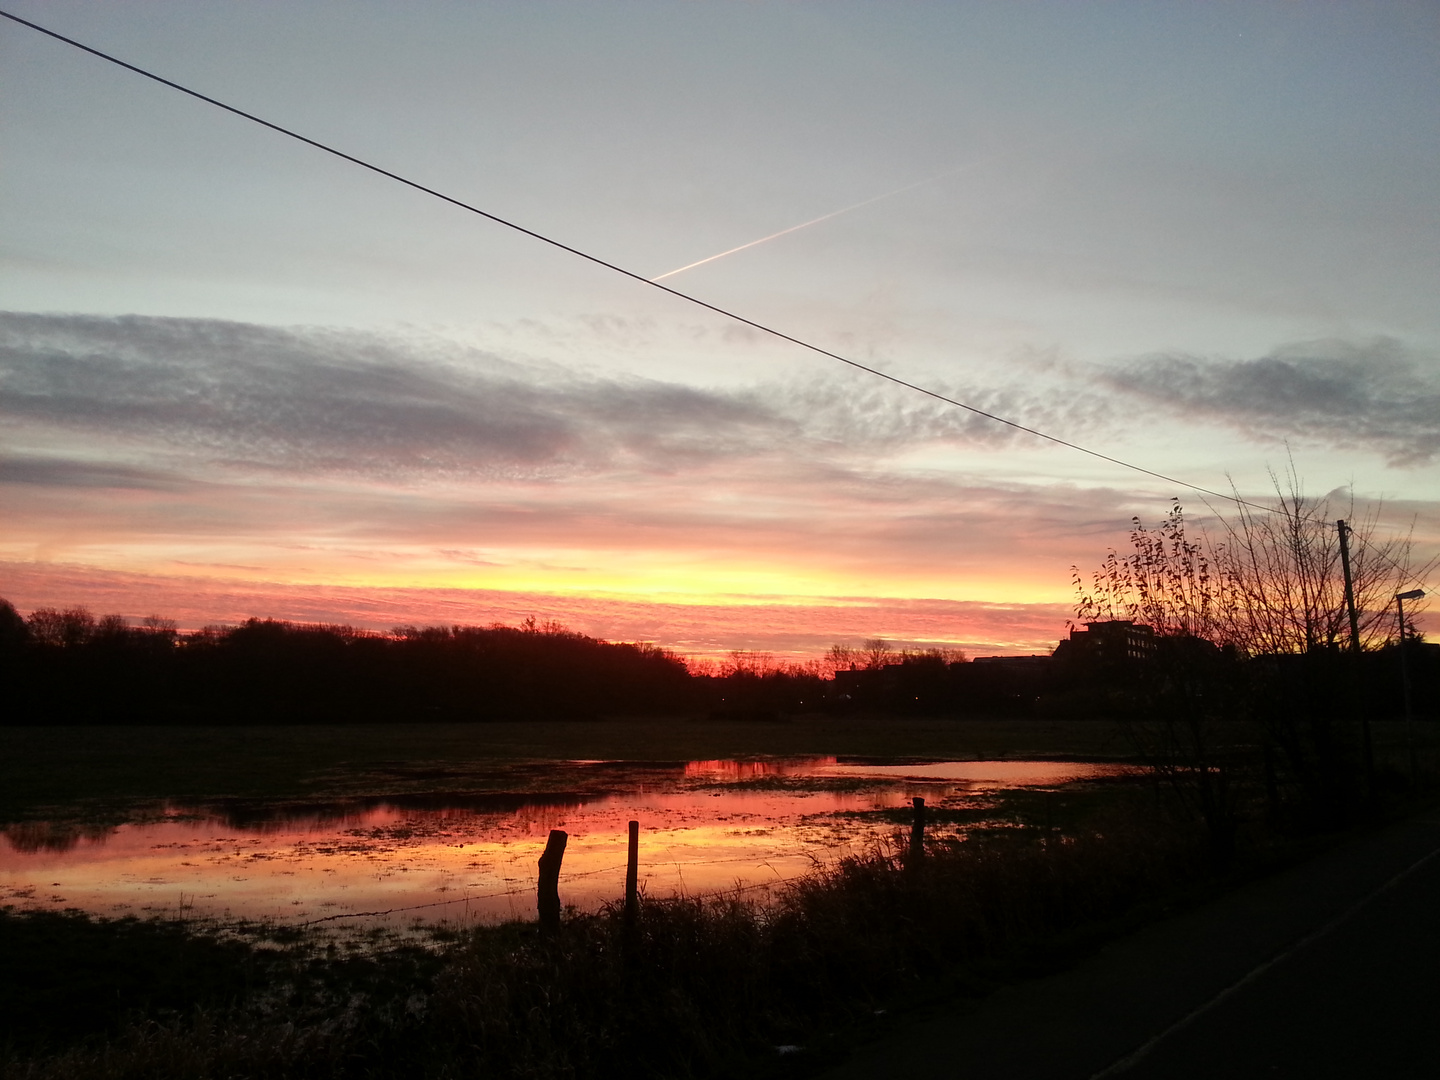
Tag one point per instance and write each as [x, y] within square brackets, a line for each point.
[241, 377]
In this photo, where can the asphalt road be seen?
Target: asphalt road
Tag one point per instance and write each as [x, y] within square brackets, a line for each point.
[1327, 969]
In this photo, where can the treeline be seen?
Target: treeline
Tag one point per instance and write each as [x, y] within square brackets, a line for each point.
[1177, 673]
[875, 678]
[64, 667]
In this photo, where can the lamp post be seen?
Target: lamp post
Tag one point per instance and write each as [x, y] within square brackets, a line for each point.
[1400, 598]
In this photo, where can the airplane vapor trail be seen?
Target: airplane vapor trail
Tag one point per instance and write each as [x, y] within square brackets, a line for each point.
[814, 221]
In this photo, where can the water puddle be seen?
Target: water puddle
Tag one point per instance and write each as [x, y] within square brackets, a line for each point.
[706, 826]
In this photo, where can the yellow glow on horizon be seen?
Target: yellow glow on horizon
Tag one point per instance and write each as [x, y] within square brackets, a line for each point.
[688, 585]
[664, 577]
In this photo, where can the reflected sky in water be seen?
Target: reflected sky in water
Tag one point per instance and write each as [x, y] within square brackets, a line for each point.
[706, 826]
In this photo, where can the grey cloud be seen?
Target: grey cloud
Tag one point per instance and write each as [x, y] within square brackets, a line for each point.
[71, 473]
[860, 411]
[315, 400]
[301, 399]
[1374, 394]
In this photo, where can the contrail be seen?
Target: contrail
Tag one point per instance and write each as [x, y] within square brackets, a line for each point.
[815, 221]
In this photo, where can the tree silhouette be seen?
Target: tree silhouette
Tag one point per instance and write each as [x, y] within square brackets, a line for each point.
[1250, 622]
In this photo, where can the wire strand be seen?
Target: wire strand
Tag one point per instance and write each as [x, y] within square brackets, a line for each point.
[653, 283]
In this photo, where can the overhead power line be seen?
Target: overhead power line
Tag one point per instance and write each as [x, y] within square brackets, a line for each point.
[654, 283]
[632, 275]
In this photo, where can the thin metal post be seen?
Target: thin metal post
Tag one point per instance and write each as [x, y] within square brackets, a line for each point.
[917, 832]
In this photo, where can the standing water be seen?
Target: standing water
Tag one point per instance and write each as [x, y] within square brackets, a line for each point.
[706, 826]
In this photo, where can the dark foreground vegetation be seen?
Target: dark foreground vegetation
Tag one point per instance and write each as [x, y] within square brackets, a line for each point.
[707, 987]
[691, 987]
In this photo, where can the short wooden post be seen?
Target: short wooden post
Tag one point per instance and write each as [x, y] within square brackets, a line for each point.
[917, 832]
[632, 873]
[549, 892]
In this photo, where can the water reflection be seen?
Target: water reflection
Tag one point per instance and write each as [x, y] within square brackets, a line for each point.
[706, 826]
[747, 770]
[32, 836]
[987, 774]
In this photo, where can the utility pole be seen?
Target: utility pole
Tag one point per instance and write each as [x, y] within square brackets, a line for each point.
[1359, 704]
[1344, 531]
[1400, 598]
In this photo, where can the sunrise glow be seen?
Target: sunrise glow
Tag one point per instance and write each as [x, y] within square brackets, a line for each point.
[233, 367]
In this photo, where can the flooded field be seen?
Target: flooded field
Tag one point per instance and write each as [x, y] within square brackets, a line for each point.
[706, 826]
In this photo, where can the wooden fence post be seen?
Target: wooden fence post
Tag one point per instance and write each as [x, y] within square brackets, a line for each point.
[549, 892]
[632, 873]
[917, 833]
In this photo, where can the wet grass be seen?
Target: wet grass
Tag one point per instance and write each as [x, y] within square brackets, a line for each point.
[700, 987]
[68, 976]
[690, 988]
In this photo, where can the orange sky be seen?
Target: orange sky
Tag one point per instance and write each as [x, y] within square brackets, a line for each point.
[786, 630]
[242, 377]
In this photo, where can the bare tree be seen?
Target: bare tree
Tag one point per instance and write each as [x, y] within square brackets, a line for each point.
[1268, 583]
[1249, 621]
[876, 652]
[749, 664]
[68, 628]
[1167, 581]
[1283, 568]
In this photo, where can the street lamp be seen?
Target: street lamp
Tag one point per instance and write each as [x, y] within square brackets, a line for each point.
[1400, 598]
